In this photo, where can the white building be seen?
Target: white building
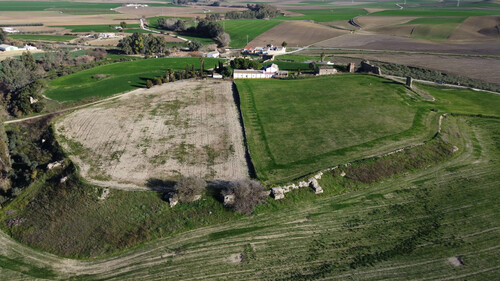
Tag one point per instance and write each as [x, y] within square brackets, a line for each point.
[214, 54]
[266, 73]
[10, 30]
[106, 35]
[8, 48]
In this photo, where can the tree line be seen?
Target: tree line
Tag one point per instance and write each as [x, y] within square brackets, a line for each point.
[256, 11]
[207, 27]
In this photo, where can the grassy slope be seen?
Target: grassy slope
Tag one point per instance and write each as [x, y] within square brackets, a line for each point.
[42, 37]
[122, 77]
[403, 228]
[299, 126]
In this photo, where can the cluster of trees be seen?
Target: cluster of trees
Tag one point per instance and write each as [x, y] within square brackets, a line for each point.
[241, 63]
[256, 11]
[171, 76]
[207, 27]
[223, 70]
[22, 80]
[23, 83]
[3, 36]
[172, 24]
[146, 44]
[247, 193]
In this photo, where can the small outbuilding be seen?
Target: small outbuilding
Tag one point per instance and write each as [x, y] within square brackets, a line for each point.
[325, 70]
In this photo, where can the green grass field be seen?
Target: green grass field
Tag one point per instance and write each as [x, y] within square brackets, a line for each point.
[300, 126]
[42, 37]
[239, 29]
[327, 14]
[295, 127]
[124, 76]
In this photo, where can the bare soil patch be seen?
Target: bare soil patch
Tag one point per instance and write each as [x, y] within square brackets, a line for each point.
[368, 40]
[49, 18]
[296, 33]
[370, 22]
[186, 128]
[4, 55]
[480, 28]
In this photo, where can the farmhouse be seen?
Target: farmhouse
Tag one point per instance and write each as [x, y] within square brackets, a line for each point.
[325, 70]
[8, 48]
[269, 50]
[271, 71]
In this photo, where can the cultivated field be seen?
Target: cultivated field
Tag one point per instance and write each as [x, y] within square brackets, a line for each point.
[107, 80]
[296, 33]
[300, 126]
[481, 68]
[372, 41]
[187, 128]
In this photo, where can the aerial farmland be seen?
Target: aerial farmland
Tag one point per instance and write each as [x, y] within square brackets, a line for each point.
[232, 140]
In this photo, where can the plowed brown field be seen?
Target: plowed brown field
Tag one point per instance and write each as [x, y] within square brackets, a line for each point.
[186, 128]
[296, 33]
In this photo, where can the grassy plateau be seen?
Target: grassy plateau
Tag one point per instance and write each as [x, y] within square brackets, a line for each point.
[115, 78]
[298, 126]
[43, 37]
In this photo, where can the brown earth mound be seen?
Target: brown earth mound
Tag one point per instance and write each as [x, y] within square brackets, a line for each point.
[478, 28]
[296, 33]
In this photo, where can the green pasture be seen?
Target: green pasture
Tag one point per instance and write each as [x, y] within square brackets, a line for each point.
[296, 127]
[327, 14]
[120, 77]
[43, 37]
[239, 29]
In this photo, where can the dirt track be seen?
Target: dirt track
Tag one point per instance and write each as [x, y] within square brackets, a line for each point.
[182, 128]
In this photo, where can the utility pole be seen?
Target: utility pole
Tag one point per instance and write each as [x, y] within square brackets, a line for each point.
[458, 3]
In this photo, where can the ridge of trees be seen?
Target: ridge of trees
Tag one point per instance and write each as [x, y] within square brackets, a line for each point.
[256, 11]
[207, 27]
